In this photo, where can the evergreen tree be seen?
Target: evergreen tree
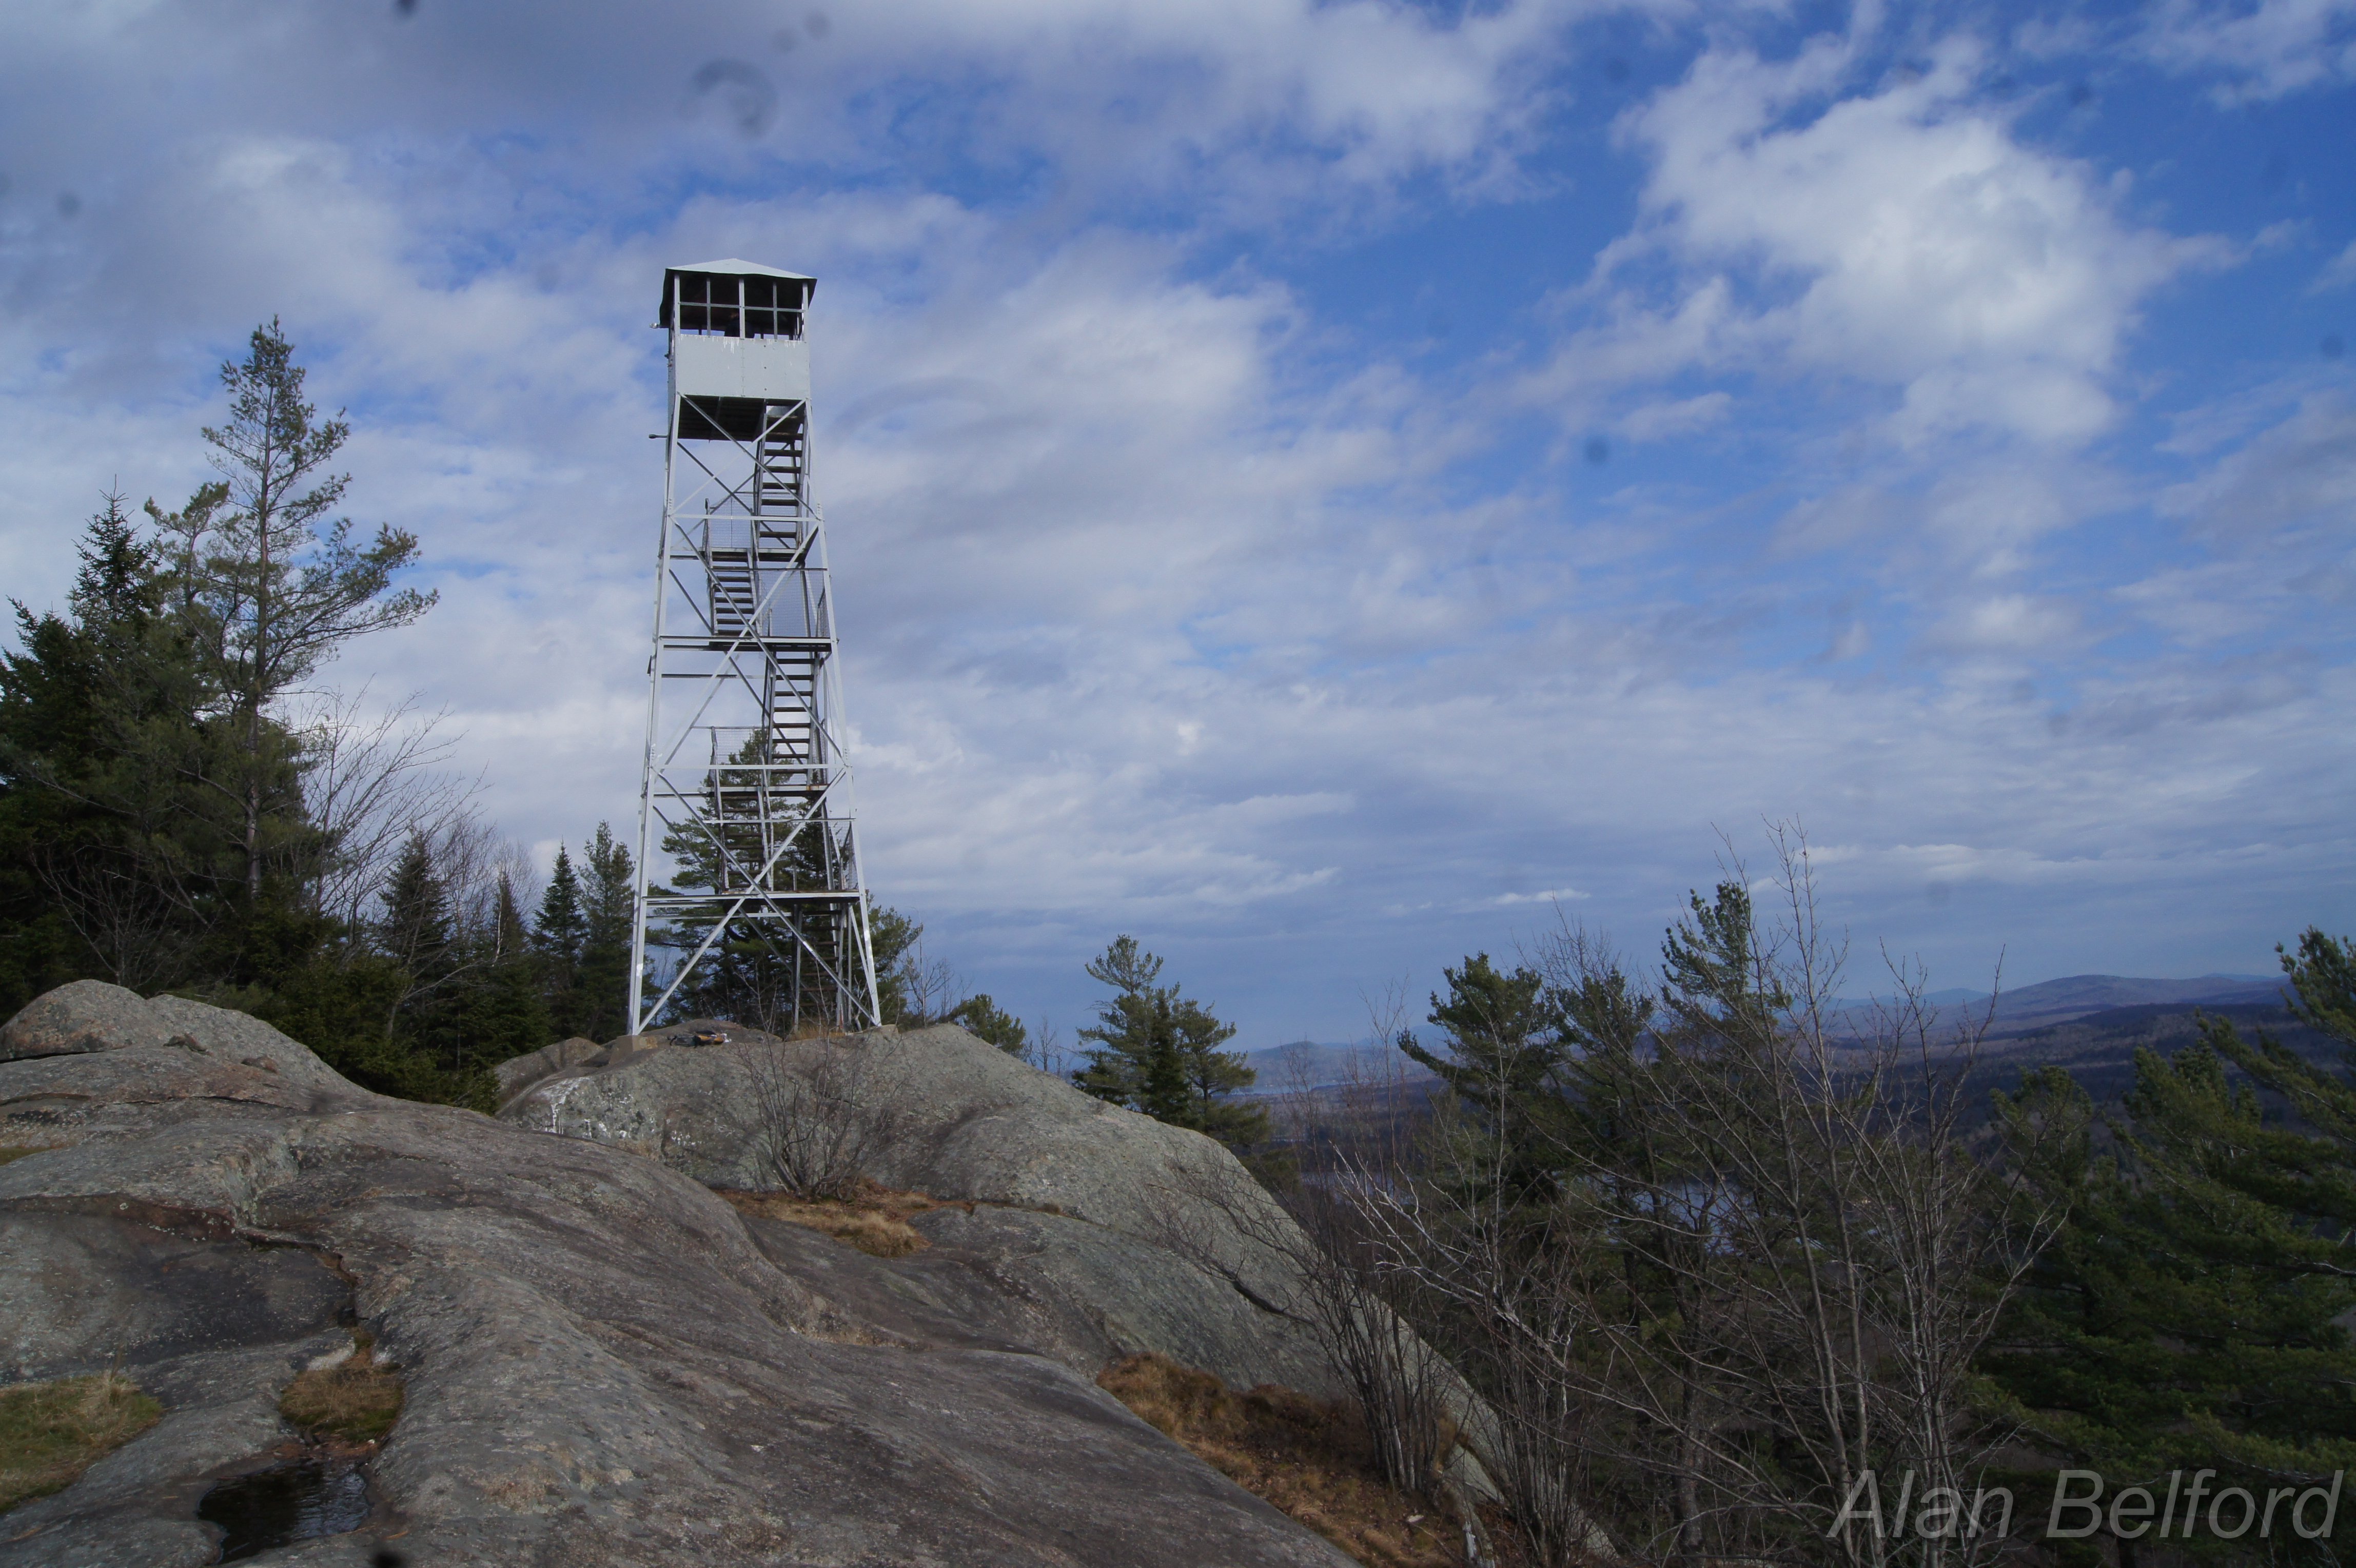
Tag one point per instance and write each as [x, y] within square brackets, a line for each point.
[267, 588]
[560, 935]
[607, 896]
[986, 1020]
[1157, 1052]
[504, 1013]
[114, 857]
[416, 933]
[1503, 1046]
[892, 938]
[2192, 1313]
[754, 971]
[1545, 1077]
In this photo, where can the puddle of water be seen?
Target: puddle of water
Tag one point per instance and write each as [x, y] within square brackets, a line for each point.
[295, 1502]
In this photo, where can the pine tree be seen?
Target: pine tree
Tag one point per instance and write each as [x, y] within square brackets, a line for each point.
[986, 1020]
[1498, 1027]
[2192, 1315]
[892, 938]
[1505, 1047]
[1127, 1027]
[264, 593]
[1157, 1051]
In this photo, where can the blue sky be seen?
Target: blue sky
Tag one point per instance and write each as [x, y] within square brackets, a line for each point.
[1321, 488]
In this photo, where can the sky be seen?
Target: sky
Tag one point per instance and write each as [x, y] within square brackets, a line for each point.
[1323, 489]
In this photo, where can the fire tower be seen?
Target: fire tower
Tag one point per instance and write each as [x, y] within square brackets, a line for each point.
[746, 785]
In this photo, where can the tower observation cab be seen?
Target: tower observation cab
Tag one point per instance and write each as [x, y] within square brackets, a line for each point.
[746, 786]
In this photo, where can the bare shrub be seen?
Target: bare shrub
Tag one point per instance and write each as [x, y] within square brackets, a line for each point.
[1733, 1251]
[371, 777]
[1310, 1258]
[823, 1110]
[1351, 1304]
[141, 926]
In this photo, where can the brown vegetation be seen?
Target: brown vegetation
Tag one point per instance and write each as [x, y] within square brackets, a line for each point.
[357, 1400]
[18, 1151]
[52, 1433]
[1312, 1460]
[872, 1219]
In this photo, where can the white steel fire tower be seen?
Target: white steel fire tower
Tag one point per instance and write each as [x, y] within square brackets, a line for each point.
[746, 786]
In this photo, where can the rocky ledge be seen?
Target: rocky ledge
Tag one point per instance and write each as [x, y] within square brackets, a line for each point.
[605, 1363]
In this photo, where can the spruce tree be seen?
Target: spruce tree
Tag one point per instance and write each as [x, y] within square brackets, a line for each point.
[115, 859]
[608, 892]
[416, 933]
[560, 934]
[503, 1012]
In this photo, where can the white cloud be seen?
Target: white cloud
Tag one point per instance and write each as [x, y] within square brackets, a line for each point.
[2007, 623]
[2263, 51]
[2339, 272]
[1682, 416]
[2300, 475]
[1901, 235]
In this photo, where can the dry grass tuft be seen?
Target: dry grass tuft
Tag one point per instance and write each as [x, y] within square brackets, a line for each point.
[357, 1400]
[52, 1433]
[1310, 1459]
[875, 1220]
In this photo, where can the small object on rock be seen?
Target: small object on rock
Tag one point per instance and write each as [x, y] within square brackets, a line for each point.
[264, 1063]
[710, 1037]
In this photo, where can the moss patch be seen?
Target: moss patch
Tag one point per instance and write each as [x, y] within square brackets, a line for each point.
[1312, 1460]
[18, 1151]
[52, 1433]
[357, 1400]
[876, 1221]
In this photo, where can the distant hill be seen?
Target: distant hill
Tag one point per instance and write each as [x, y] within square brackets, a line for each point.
[1316, 1064]
[2052, 1002]
[2094, 1024]
[2059, 1001]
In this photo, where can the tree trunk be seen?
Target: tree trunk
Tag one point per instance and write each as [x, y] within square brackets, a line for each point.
[263, 508]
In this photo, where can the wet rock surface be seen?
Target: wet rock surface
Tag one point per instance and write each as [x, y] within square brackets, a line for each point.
[603, 1363]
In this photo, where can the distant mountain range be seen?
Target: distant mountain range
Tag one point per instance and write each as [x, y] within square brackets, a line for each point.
[2076, 997]
[2092, 1024]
